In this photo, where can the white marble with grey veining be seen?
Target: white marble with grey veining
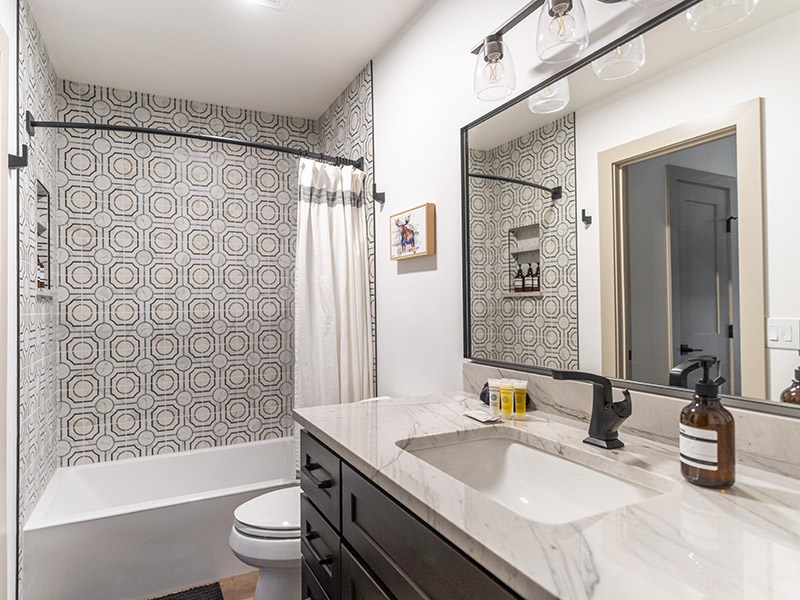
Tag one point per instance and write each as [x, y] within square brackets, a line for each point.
[686, 543]
[763, 440]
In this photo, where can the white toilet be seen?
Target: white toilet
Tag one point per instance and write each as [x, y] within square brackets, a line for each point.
[266, 535]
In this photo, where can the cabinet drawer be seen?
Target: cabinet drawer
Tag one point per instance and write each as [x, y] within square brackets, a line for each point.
[312, 590]
[320, 477]
[357, 584]
[410, 559]
[320, 547]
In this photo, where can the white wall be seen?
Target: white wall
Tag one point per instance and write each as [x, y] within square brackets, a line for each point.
[8, 20]
[758, 64]
[423, 96]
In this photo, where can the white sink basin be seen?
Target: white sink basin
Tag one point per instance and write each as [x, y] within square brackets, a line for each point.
[536, 485]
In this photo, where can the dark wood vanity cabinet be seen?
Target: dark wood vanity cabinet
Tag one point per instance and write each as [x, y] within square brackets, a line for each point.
[359, 543]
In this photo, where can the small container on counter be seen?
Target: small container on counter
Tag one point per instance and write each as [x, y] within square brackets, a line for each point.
[507, 398]
[520, 398]
[494, 396]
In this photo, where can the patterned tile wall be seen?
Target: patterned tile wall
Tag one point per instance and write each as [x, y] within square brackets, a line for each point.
[345, 129]
[38, 350]
[176, 260]
[540, 331]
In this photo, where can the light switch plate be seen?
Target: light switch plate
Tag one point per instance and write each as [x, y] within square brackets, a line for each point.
[783, 333]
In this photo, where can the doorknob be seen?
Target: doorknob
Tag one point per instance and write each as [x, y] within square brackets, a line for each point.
[685, 349]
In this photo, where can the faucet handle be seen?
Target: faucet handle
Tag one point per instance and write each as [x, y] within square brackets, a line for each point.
[624, 408]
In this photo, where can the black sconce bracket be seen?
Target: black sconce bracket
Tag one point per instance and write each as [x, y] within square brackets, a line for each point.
[379, 197]
[18, 162]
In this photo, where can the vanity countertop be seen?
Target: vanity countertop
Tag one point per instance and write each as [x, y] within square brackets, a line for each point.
[686, 543]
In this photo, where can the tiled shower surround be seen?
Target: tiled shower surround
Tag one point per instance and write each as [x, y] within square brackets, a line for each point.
[540, 331]
[176, 263]
[38, 349]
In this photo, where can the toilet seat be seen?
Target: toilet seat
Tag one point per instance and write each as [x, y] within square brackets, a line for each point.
[274, 515]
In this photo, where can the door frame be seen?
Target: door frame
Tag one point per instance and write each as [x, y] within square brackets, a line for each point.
[745, 121]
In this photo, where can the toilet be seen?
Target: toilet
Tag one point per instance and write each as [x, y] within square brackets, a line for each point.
[266, 535]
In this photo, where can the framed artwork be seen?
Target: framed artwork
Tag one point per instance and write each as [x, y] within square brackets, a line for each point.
[413, 232]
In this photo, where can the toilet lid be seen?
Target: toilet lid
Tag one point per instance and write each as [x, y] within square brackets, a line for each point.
[278, 510]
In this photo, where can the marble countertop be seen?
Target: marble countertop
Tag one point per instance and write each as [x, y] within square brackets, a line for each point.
[687, 543]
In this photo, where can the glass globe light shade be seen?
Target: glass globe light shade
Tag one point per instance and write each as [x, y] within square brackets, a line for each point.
[711, 15]
[551, 99]
[562, 33]
[624, 60]
[494, 78]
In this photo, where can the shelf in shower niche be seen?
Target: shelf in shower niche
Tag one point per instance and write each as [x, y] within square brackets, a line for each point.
[523, 294]
[46, 294]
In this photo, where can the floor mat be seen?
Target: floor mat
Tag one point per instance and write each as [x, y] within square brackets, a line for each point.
[204, 592]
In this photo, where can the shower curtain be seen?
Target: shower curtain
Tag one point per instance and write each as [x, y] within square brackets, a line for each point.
[332, 327]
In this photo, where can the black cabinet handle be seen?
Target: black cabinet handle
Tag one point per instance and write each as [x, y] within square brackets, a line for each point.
[323, 482]
[321, 560]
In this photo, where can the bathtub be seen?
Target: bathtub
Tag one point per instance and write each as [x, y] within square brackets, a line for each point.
[145, 527]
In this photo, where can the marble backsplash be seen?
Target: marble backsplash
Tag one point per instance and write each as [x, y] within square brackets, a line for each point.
[766, 441]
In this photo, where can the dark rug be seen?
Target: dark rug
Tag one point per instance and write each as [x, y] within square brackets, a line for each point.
[204, 592]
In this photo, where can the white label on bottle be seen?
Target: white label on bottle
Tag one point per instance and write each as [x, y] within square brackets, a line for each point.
[518, 284]
[699, 447]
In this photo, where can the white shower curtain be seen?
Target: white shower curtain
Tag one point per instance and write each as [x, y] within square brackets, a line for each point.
[332, 327]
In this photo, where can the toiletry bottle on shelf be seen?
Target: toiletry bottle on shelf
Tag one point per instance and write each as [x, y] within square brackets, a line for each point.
[494, 396]
[528, 286]
[41, 275]
[536, 285]
[519, 280]
[707, 440]
[791, 394]
[520, 398]
[506, 398]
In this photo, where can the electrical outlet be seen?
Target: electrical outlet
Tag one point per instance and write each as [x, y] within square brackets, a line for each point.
[783, 333]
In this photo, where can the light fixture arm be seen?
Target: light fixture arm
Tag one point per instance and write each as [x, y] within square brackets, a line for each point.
[518, 17]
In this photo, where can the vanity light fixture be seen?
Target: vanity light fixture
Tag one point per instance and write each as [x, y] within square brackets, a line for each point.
[495, 78]
[563, 32]
[551, 99]
[624, 60]
[711, 15]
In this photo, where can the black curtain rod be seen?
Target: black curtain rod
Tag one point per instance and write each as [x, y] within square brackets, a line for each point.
[31, 124]
[555, 192]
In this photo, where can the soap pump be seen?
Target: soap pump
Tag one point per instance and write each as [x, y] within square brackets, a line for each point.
[707, 440]
[791, 394]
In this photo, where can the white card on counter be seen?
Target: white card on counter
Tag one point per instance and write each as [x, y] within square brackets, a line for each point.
[482, 416]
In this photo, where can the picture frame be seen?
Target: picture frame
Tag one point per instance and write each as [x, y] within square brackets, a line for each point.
[412, 233]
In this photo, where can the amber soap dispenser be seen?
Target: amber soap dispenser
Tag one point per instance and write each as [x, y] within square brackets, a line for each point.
[707, 440]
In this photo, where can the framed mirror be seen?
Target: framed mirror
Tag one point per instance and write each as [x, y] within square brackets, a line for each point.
[671, 235]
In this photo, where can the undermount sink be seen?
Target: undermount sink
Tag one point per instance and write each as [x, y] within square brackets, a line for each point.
[539, 486]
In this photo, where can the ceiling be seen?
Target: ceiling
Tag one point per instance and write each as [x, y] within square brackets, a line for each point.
[668, 45]
[230, 52]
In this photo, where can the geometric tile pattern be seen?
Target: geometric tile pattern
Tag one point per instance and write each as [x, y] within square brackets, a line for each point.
[541, 331]
[37, 346]
[176, 265]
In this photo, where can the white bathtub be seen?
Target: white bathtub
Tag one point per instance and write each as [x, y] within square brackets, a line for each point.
[141, 528]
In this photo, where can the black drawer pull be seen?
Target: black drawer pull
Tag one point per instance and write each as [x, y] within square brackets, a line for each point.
[322, 482]
[321, 560]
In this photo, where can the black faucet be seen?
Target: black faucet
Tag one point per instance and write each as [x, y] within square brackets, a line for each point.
[679, 374]
[607, 415]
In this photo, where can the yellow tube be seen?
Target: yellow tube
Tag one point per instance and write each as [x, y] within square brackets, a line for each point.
[506, 398]
[520, 398]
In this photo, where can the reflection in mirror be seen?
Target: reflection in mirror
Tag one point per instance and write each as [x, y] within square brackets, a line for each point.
[516, 229]
[681, 276]
[690, 250]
